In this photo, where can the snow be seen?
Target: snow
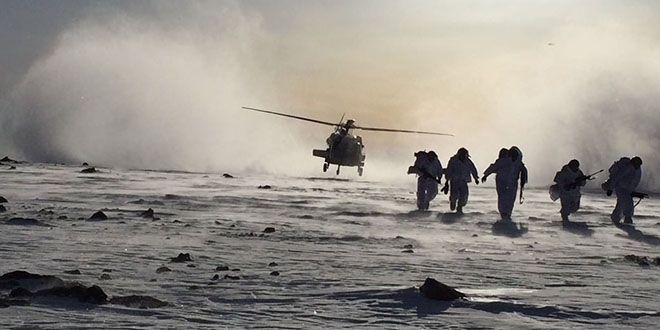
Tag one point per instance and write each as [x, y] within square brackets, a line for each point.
[350, 254]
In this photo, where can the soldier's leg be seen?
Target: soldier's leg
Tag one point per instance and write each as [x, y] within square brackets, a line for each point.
[454, 193]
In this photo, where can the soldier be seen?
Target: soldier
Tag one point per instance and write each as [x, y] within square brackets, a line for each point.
[429, 170]
[459, 173]
[569, 180]
[517, 170]
[501, 167]
[625, 175]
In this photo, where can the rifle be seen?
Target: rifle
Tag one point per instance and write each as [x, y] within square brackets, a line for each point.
[521, 199]
[424, 172]
[579, 180]
[640, 196]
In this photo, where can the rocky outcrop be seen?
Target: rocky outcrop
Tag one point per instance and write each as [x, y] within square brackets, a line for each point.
[77, 291]
[135, 301]
[433, 289]
[89, 170]
[27, 287]
[98, 216]
[25, 222]
[29, 281]
[6, 159]
[149, 213]
[182, 257]
[643, 261]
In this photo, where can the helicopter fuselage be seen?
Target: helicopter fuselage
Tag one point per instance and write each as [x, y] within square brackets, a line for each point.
[343, 150]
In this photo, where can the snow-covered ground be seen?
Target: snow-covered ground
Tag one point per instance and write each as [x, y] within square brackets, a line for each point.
[343, 254]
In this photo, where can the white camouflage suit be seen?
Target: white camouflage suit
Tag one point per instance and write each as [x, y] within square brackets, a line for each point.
[459, 173]
[569, 196]
[517, 170]
[502, 169]
[625, 181]
[428, 170]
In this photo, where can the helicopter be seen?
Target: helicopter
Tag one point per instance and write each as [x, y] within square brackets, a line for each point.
[344, 148]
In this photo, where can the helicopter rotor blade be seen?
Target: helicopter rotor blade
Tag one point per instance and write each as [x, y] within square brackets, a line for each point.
[291, 116]
[400, 131]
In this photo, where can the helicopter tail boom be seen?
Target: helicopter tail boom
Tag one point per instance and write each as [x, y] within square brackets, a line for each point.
[320, 153]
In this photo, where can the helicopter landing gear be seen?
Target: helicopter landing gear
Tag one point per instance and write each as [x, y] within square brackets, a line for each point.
[360, 169]
[338, 167]
[325, 167]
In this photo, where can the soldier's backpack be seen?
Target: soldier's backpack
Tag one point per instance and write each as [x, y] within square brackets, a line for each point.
[614, 169]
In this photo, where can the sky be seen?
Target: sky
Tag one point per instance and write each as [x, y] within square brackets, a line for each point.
[160, 84]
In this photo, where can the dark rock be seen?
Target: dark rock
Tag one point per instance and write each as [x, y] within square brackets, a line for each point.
[227, 175]
[656, 261]
[3, 200]
[62, 217]
[433, 289]
[408, 251]
[12, 167]
[215, 277]
[24, 222]
[2, 208]
[231, 277]
[105, 277]
[8, 160]
[193, 287]
[642, 261]
[89, 170]
[163, 269]
[85, 164]
[20, 292]
[92, 294]
[408, 246]
[191, 266]
[236, 270]
[221, 268]
[72, 272]
[148, 213]
[274, 273]
[98, 216]
[107, 270]
[264, 187]
[269, 230]
[29, 281]
[475, 235]
[272, 264]
[135, 301]
[4, 303]
[182, 257]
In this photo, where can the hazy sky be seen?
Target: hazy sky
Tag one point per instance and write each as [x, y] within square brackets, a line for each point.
[160, 84]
